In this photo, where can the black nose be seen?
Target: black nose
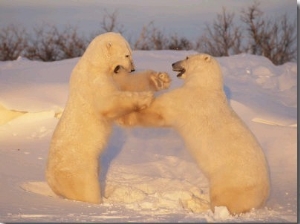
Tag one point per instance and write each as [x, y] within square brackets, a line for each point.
[132, 70]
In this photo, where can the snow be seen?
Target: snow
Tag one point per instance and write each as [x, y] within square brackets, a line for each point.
[147, 174]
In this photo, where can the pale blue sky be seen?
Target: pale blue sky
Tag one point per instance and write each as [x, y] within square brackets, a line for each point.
[186, 18]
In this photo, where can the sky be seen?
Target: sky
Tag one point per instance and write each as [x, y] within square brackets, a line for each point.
[185, 18]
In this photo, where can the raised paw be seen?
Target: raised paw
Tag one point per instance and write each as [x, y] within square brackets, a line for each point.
[144, 99]
[161, 80]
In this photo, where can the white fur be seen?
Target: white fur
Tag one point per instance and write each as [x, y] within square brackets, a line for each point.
[85, 125]
[224, 148]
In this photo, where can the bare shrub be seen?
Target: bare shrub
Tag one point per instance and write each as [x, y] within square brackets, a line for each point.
[284, 48]
[150, 38]
[42, 46]
[255, 26]
[270, 38]
[50, 44]
[70, 44]
[13, 41]
[110, 23]
[176, 43]
[222, 38]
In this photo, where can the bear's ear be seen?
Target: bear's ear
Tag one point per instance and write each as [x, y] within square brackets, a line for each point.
[108, 45]
[207, 58]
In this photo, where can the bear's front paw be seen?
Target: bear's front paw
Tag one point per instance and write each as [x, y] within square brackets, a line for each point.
[144, 100]
[161, 80]
[126, 120]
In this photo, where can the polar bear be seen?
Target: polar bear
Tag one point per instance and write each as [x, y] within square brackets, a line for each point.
[224, 148]
[94, 101]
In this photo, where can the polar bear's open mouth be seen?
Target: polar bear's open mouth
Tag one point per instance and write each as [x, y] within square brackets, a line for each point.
[118, 68]
[180, 70]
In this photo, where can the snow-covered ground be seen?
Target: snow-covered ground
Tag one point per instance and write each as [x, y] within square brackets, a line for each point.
[146, 172]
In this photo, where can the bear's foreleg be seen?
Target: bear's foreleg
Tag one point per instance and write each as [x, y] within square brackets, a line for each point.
[147, 80]
[124, 102]
[153, 116]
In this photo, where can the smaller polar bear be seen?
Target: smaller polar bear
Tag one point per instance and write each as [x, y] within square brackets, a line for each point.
[224, 148]
[94, 101]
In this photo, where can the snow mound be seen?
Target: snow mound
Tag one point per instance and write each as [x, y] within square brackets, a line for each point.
[221, 213]
[134, 186]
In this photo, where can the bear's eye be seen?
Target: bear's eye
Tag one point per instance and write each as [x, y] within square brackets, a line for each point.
[127, 55]
[187, 58]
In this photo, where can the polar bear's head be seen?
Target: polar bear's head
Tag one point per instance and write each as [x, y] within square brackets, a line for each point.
[109, 51]
[201, 69]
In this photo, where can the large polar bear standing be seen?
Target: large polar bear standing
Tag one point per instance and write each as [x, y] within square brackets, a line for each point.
[224, 148]
[94, 102]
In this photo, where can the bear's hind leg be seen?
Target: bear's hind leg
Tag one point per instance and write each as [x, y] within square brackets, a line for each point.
[237, 199]
[80, 184]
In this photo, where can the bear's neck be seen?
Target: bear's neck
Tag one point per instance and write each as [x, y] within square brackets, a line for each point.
[204, 83]
[85, 70]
